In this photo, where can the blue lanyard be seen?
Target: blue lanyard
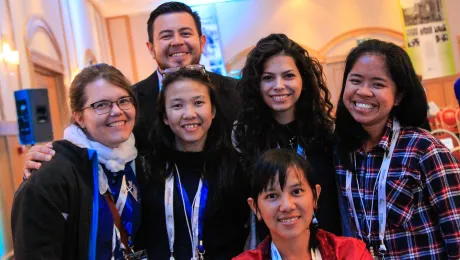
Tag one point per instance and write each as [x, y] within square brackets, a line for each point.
[301, 151]
[125, 193]
[201, 212]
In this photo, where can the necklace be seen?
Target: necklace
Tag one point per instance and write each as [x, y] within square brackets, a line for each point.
[291, 142]
[288, 132]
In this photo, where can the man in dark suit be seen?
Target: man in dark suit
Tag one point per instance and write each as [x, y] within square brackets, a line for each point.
[175, 40]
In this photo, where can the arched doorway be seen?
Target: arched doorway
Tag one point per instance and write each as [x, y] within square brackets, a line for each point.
[47, 69]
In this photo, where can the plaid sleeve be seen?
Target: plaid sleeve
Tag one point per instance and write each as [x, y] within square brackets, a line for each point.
[442, 173]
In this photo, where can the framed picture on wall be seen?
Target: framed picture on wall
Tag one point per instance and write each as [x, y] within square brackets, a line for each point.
[212, 57]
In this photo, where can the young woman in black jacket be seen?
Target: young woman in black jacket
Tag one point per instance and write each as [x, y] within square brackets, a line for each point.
[195, 193]
[64, 210]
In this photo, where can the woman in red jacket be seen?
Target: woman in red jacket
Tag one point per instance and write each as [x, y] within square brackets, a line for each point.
[284, 196]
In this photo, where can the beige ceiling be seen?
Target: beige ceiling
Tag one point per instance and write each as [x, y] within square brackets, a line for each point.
[110, 8]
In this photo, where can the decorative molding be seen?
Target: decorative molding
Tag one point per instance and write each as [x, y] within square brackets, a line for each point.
[35, 24]
[66, 42]
[358, 32]
[41, 60]
[333, 59]
[98, 10]
[131, 48]
[322, 52]
[239, 56]
[130, 43]
[109, 33]
[100, 20]
[75, 55]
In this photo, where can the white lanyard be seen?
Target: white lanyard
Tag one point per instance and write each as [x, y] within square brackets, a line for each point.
[381, 195]
[169, 211]
[275, 254]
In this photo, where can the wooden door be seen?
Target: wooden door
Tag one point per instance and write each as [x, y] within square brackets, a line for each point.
[449, 93]
[58, 107]
[441, 91]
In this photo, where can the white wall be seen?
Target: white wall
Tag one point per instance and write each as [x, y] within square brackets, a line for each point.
[144, 61]
[89, 30]
[312, 23]
[80, 27]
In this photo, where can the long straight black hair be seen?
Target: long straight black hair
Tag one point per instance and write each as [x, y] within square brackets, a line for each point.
[411, 111]
[221, 160]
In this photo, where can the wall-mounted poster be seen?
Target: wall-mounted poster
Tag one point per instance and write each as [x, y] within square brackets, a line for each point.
[212, 57]
[427, 38]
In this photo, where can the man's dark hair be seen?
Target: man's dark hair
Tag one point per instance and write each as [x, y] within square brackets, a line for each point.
[172, 7]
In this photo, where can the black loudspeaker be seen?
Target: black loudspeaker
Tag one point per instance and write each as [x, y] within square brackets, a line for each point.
[34, 116]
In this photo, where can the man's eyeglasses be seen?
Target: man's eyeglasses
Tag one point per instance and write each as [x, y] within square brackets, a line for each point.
[193, 67]
[105, 106]
[196, 67]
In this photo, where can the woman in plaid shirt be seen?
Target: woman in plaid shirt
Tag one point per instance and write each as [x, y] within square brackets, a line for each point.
[399, 184]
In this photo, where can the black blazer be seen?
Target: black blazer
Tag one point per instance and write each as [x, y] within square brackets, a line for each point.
[62, 185]
[147, 92]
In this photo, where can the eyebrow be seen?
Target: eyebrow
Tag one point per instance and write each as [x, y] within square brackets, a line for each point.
[102, 100]
[360, 76]
[269, 72]
[171, 31]
[295, 185]
[270, 189]
[180, 99]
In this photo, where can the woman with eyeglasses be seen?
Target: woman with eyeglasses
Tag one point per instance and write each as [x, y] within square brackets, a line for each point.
[85, 202]
[194, 202]
[286, 104]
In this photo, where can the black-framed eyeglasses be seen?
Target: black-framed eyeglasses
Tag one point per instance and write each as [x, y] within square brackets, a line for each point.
[104, 106]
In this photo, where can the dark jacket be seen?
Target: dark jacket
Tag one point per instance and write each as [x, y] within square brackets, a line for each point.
[63, 186]
[225, 230]
[147, 92]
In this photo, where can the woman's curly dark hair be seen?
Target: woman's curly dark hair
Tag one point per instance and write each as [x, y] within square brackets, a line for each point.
[254, 130]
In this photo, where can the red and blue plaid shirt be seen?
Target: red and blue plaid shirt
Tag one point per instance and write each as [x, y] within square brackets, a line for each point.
[423, 196]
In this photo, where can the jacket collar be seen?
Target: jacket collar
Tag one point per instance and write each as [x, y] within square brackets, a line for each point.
[149, 85]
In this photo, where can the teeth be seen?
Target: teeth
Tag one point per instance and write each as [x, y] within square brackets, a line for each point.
[289, 220]
[362, 105]
[191, 126]
[280, 97]
[178, 54]
[119, 123]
